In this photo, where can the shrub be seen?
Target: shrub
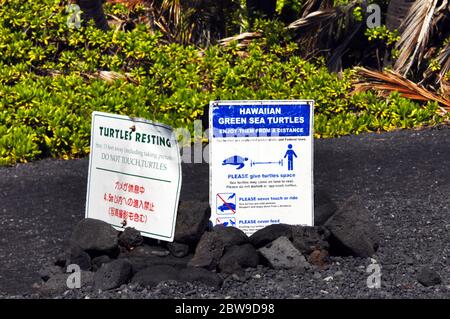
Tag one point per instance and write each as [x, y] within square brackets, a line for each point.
[49, 83]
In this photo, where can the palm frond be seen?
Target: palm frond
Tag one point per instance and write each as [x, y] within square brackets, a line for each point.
[314, 18]
[445, 88]
[397, 12]
[347, 30]
[174, 9]
[242, 38]
[390, 81]
[315, 5]
[417, 29]
[444, 60]
[320, 26]
[110, 76]
[131, 4]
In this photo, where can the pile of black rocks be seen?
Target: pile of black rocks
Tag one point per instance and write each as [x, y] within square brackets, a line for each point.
[109, 259]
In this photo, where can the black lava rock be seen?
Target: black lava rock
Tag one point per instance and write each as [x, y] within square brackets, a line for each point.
[112, 275]
[319, 258]
[148, 251]
[177, 249]
[352, 231]
[193, 274]
[307, 239]
[281, 254]
[428, 277]
[47, 272]
[159, 251]
[153, 275]
[130, 238]
[95, 237]
[208, 252]
[61, 259]
[192, 221]
[58, 283]
[324, 207]
[268, 234]
[230, 236]
[140, 263]
[79, 257]
[237, 258]
[97, 262]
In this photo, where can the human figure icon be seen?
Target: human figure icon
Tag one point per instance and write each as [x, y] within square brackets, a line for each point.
[290, 156]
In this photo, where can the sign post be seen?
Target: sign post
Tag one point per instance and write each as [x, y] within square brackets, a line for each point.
[134, 175]
[261, 158]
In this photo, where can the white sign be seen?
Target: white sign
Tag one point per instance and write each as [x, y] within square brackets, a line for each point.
[134, 175]
[261, 157]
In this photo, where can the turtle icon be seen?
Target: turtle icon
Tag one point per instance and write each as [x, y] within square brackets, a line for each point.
[235, 160]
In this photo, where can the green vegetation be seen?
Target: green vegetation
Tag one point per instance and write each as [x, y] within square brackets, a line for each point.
[50, 82]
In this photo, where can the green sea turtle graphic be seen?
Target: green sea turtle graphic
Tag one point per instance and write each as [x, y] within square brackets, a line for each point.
[235, 160]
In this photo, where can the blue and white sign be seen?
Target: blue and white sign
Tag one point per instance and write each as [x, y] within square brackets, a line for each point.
[261, 163]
